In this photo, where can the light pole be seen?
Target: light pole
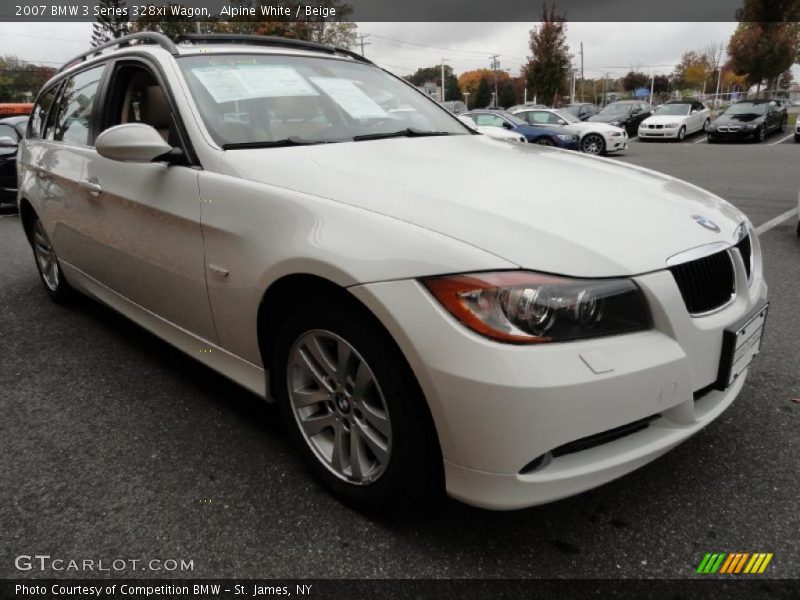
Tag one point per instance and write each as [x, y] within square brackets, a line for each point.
[442, 90]
[466, 100]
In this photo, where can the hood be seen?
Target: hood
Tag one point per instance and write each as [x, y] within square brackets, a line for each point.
[664, 119]
[738, 119]
[585, 127]
[542, 209]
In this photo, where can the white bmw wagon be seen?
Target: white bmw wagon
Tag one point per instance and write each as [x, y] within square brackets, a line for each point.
[430, 308]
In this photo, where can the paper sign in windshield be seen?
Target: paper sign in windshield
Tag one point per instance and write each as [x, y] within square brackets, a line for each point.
[350, 97]
[253, 81]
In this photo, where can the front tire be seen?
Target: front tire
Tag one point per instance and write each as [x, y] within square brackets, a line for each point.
[593, 143]
[545, 142]
[682, 134]
[354, 408]
[50, 273]
[761, 134]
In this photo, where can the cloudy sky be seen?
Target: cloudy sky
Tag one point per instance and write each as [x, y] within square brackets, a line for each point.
[612, 48]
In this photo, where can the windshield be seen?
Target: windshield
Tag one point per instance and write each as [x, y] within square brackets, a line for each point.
[617, 108]
[674, 109]
[746, 108]
[247, 100]
[573, 109]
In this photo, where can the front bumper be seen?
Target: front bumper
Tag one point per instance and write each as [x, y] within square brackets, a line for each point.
[568, 145]
[616, 143]
[741, 134]
[663, 133]
[499, 407]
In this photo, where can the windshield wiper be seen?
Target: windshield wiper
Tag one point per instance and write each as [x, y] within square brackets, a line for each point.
[408, 132]
[289, 141]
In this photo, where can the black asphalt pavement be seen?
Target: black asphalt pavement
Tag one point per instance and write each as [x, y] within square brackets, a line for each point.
[116, 446]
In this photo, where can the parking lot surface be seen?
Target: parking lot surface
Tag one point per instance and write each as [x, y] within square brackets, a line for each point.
[115, 445]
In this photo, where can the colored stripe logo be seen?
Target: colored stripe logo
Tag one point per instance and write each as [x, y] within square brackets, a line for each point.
[734, 563]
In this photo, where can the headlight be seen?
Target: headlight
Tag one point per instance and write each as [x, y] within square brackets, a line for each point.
[671, 125]
[614, 123]
[616, 133]
[521, 307]
[751, 126]
[566, 138]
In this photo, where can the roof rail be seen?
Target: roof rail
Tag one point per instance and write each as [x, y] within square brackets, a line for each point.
[125, 40]
[266, 40]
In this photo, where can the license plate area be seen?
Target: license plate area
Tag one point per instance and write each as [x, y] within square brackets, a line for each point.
[741, 343]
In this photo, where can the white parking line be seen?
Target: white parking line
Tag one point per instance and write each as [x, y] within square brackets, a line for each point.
[8, 216]
[636, 137]
[783, 140]
[701, 140]
[764, 227]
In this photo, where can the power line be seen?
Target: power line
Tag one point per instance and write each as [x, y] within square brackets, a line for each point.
[427, 46]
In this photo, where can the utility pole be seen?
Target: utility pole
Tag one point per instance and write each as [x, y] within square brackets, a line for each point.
[466, 99]
[495, 67]
[652, 85]
[361, 38]
[581, 72]
[442, 90]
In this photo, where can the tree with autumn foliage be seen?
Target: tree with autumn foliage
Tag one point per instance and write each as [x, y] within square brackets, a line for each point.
[469, 81]
[548, 66]
[767, 41]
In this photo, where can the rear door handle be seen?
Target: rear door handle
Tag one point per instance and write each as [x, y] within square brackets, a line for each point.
[91, 186]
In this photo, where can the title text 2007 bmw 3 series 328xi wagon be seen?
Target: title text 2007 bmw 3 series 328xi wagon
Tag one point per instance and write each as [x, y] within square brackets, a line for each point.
[430, 308]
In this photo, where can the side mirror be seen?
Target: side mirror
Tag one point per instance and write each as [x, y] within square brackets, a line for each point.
[562, 122]
[8, 142]
[131, 142]
[507, 125]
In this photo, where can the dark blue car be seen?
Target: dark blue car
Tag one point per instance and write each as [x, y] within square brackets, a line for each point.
[558, 137]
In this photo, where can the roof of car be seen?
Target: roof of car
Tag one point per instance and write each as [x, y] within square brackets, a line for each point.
[199, 44]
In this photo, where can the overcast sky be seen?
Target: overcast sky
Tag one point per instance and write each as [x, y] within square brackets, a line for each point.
[611, 48]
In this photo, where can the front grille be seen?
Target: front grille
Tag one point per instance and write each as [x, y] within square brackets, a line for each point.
[706, 283]
[746, 250]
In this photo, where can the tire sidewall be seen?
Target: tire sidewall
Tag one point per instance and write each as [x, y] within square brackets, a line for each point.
[602, 144]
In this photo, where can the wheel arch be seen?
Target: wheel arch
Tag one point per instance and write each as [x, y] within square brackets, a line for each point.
[283, 293]
[27, 214]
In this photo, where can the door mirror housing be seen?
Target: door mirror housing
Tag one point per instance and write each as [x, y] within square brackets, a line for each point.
[507, 125]
[131, 142]
[7, 142]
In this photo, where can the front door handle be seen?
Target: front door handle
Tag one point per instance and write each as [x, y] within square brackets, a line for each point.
[91, 186]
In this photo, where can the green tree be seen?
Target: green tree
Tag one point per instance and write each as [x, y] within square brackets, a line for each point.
[634, 80]
[112, 23]
[765, 44]
[549, 63]
[483, 97]
[508, 95]
[21, 81]
[452, 90]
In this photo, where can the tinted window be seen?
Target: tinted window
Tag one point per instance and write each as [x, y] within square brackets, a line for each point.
[75, 107]
[39, 115]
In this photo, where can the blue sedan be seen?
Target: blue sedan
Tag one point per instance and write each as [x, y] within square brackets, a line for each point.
[558, 137]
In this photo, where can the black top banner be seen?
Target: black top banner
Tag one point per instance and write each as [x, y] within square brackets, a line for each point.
[390, 10]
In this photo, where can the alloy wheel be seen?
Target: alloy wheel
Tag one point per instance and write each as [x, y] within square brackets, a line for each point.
[339, 407]
[544, 142]
[681, 134]
[593, 144]
[762, 134]
[45, 257]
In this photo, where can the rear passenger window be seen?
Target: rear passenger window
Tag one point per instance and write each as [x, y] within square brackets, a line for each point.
[39, 115]
[75, 107]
